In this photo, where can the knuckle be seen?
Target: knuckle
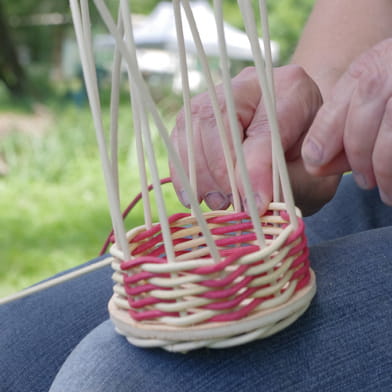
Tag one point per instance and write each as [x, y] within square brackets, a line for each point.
[296, 82]
[202, 114]
[245, 79]
[296, 72]
[362, 66]
[259, 129]
[383, 50]
[292, 71]
[291, 77]
[371, 69]
[248, 72]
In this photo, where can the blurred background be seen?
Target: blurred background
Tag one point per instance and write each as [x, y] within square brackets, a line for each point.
[53, 206]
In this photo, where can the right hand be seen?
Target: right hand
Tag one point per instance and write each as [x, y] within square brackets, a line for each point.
[297, 101]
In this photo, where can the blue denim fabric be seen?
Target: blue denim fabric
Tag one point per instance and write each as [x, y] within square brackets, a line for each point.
[352, 210]
[342, 343]
[37, 333]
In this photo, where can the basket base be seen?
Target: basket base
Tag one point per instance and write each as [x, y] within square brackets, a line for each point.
[213, 335]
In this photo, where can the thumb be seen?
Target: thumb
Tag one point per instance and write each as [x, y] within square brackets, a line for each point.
[297, 101]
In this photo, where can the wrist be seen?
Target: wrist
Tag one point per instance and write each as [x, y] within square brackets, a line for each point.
[325, 78]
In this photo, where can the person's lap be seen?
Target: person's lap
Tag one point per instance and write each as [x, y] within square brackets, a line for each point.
[343, 342]
[37, 333]
[43, 329]
[352, 210]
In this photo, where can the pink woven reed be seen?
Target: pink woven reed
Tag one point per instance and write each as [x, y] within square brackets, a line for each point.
[229, 286]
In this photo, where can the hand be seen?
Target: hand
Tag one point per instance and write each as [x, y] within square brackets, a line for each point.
[298, 100]
[353, 129]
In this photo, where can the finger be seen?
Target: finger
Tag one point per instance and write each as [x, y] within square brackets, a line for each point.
[325, 137]
[246, 95]
[178, 139]
[201, 117]
[212, 179]
[338, 165]
[382, 157]
[365, 113]
[298, 99]
[216, 194]
[258, 159]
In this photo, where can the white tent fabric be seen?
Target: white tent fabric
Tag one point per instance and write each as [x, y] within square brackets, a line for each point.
[159, 31]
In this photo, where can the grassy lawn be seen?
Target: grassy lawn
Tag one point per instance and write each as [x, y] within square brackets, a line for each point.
[54, 211]
[48, 227]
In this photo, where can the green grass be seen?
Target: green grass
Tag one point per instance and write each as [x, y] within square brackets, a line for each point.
[54, 210]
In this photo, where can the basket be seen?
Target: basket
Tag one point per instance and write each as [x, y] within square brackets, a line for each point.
[192, 302]
[215, 279]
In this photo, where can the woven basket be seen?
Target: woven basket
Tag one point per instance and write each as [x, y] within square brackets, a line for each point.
[194, 302]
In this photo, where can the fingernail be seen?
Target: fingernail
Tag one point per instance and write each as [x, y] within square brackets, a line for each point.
[182, 195]
[260, 202]
[360, 179]
[312, 152]
[216, 200]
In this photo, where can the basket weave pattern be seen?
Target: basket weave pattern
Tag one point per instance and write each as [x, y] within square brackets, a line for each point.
[195, 290]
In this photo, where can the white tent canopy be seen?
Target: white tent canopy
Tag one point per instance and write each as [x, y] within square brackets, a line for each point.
[159, 31]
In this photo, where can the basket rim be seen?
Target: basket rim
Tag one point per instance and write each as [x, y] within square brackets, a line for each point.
[181, 265]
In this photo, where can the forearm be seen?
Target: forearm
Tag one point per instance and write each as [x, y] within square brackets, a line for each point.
[337, 31]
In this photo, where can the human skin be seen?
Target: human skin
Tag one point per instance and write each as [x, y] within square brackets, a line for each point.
[341, 122]
[346, 49]
[295, 116]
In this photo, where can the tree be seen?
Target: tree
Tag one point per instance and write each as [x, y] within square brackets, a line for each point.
[42, 41]
[11, 71]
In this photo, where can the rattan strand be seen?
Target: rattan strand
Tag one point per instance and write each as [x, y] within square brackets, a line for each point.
[192, 292]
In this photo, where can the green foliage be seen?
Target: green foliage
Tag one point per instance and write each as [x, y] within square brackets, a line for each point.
[287, 19]
[143, 6]
[48, 227]
[53, 201]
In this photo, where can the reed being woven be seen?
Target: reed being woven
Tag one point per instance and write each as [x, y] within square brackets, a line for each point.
[197, 279]
[168, 297]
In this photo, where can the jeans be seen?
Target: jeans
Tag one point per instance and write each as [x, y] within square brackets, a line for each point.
[37, 333]
[60, 339]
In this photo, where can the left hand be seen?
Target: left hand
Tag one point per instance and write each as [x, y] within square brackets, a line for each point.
[353, 128]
